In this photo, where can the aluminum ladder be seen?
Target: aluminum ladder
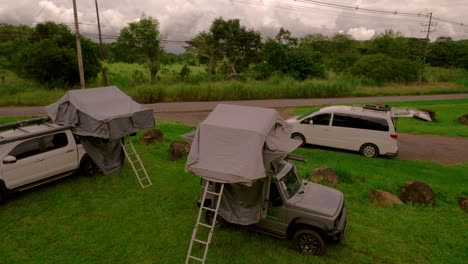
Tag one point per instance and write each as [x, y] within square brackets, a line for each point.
[204, 243]
[135, 161]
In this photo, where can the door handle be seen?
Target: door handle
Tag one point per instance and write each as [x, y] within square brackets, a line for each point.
[70, 150]
[39, 160]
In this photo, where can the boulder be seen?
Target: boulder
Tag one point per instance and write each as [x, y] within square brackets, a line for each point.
[464, 119]
[416, 192]
[151, 136]
[463, 202]
[178, 149]
[383, 198]
[324, 174]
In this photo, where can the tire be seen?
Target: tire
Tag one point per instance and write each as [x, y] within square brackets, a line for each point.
[369, 150]
[300, 137]
[88, 167]
[3, 191]
[220, 222]
[309, 242]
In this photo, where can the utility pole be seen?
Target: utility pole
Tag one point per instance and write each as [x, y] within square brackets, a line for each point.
[428, 31]
[103, 69]
[78, 47]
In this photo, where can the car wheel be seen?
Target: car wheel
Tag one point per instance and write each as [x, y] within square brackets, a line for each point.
[3, 191]
[369, 150]
[220, 222]
[88, 167]
[299, 137]
[309, 242]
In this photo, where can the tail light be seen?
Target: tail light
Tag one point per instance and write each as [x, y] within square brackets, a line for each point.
[394, 136]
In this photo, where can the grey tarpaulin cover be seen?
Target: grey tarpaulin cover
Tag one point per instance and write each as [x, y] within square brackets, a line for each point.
[101, 116]
[236, 145]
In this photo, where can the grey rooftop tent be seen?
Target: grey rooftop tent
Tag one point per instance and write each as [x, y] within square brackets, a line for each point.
[101, 116]
[237, 145]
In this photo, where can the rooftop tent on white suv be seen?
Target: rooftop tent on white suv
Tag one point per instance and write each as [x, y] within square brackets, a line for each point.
[369, 129]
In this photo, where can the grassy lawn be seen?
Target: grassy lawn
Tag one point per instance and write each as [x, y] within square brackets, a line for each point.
[110, 219]
[446, 123]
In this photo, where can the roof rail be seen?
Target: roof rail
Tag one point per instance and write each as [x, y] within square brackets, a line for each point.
[35, 134]
[377, 107]
[22, 123]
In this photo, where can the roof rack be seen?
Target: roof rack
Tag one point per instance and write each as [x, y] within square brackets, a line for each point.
[22, 123]
[383, 108]
[34, 121]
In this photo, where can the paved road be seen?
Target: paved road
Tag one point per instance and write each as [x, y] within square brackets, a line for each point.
[276, 103]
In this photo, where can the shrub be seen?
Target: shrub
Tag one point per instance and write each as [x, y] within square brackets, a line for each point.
[382, 68]
[439, 74]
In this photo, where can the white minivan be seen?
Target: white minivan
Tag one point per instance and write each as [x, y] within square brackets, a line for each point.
[369, 130]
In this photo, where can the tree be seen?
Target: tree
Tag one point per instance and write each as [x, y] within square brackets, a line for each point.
[235, 43]
[284, 37]
[275, 54]
[51, 56]
[203, 43]
[142, 37]
[303, 64]
[229, 42]
[391, 43]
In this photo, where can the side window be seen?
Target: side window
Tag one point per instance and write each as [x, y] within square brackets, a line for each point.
[321, 120]
[27, 149]
[39, 145]
[360, 122]
[55, 141]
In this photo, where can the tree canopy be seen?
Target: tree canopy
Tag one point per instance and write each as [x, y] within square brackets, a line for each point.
[141, 37]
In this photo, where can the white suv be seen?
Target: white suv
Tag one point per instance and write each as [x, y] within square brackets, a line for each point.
[369, 130]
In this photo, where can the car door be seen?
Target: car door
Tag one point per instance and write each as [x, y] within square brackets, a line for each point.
[29, 165]
[275, 221]
[316, 129]
[60, 153]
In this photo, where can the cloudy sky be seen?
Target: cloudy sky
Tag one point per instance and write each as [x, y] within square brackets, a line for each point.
[183, 19]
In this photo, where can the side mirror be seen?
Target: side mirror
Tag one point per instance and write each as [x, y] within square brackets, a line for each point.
[9, 160]
[311, 121]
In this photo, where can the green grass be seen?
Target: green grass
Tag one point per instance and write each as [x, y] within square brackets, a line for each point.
[446, 120]
[110, 219]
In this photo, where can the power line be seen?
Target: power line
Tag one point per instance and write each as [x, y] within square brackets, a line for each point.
[325, 12]
[378, 11]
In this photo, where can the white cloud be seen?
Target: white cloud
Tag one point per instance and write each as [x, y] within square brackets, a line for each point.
[361, 33]
[182, 19]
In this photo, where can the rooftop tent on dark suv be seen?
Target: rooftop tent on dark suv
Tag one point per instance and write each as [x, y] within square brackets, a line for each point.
[237, 145]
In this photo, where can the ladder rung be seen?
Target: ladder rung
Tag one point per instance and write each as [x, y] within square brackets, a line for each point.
[205, 225]
[201, 242]
[214, 193]
[209, 209]
[199, 259]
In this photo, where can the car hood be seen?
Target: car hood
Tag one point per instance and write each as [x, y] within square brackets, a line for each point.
[292, 120]
[318, 199]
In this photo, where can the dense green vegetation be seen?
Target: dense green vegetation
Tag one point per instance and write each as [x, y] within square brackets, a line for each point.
[227, 55]
[445, 123]
[87, 219]
[133, 79]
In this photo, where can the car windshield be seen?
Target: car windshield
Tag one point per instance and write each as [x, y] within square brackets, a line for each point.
[302, 116]
[291, 183]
